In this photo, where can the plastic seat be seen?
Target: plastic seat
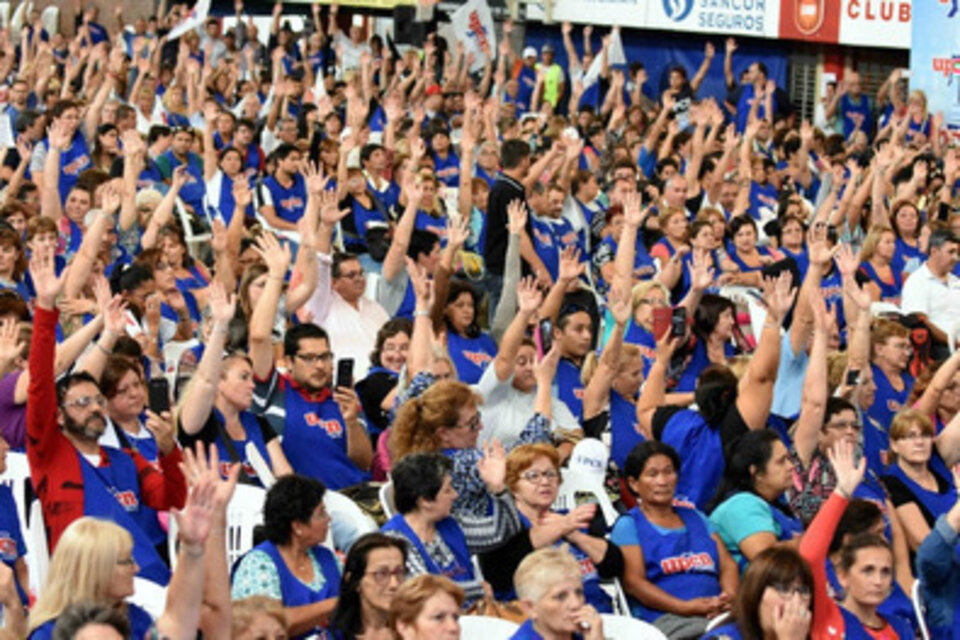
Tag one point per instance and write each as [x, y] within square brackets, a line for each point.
[149, 596]
[486, 628]
[916, 597]
[261, 466]
[617, 627]
[38, 550]
[386, 499]
[718, 621]
[614, 589]
[243, 514]
[351, 521]
[574, 483]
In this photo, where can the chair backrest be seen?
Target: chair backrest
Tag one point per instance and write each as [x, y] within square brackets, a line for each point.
[243, 514]
[16, 477]
[619, 627]
[919, 610]
[589, 458]
[149, 596]
[386, 499]
[486, 628]
[613, 588]
[51, 20]
[574, 483]
[38, 551]
[351, 521]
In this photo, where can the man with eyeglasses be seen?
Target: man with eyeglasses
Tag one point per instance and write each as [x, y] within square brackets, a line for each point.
[338, 303]
[73, 475]
[323, 436]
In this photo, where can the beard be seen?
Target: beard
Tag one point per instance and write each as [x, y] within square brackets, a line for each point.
[90, 429]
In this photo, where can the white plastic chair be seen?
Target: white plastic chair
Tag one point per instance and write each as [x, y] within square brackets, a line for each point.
[50, 17]
[574, 482]
[880, 308]
[149, 596]
[486, 628]
[386, 499]
[244, 512]
[38, 551]
[194, 240]
[614, 589]
[620, 627]
[16, 477]
[589, 459]
[718, 621]
[346, 512]
[919, 610]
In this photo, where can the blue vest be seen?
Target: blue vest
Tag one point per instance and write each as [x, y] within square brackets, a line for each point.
[435, 224]
[853, 628]
[887, 401]
[73, 161]
[698, 362]
[889, 291]
[907, 258]
[447, 169]
[11, 538]
[936, 503]
[140, 623]
[251, 426]
[460, 569]
[701, 453]
[762, 195]
[801, 259]
[639, 336]
[527, 79]
[194, 189]
[362, 217]
[527, 632]
[315, 440]
[226, 205]
[113, 493]
[408, 305]
[853, 112]
[897, 607]
[725, 632]
[683, 562]
[471, 356]
[570, 387]
[876, 444]
[624, 428]
[288, 203]
[294, 592]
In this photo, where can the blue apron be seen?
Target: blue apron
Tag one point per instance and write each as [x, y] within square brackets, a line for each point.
[12, 546]
[460, 569]
[295, 593]
[570, 387]
[471, 356]
[251, 427]
[889, 291]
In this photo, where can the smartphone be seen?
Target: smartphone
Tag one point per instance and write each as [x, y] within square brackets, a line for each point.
[158, 394]
[662, 321]
[345, 373]
[546, 335]
[678, 322]
[853, 377]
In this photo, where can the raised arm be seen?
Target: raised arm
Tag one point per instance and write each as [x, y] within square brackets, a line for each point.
[708, 52]
[277, 259]
[528, 299]
[814, 398]
[597, 393]
[507, 306]
[654, 393]
[393, 262]
[89, 251]
[570, 269]
[755, 391]
[419, 355]
[198, 399]
[729, 78]
[58, 139]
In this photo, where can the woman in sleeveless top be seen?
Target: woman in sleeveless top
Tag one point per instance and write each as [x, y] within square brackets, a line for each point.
[883, 280]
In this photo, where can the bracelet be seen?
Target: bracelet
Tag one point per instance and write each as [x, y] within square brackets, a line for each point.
[421, 314]
[193, 550]
[102, 348]
[767, 324]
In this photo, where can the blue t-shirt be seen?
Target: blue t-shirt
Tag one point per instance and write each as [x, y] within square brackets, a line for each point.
[289, 203]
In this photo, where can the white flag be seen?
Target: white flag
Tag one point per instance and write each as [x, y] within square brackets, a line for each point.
[473, 26]
[615, 56]
[194, 18]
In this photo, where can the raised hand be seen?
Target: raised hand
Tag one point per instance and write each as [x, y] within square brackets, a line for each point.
[731, 45]
[276, 257]
[620, 307]
[58, 135]
[195, 521]
[546, 369]
[818, 249]
[242, 193]
[492, 467]
[422, 284]
[222, 305]
[570, 266]
[111, 199]
[529, 296]
[823, 319]
[457, 233]
[198, 467]
[180, 177]
[11, 347]
[848, 261]
[330, 211]
[516, 216]
[709, 50]
[778, 295]
[701, 271]
[849, 473]
[666, 346]
[45, 280]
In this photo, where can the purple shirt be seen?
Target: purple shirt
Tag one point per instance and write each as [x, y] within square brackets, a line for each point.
[13, 416]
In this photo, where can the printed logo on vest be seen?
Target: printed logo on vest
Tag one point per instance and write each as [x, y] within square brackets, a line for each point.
[687, 562]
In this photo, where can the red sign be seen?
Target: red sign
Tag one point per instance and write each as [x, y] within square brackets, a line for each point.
[814, 20]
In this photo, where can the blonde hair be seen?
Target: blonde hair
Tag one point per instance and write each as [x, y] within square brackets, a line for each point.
[244, 612]
[918, 94]
[901, 424]
[418, 422]
[414, 593]
[82, 568]
[874, 236]
[641, 289]
[542, 569]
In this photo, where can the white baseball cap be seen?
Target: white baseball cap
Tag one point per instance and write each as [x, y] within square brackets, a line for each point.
[529, 52]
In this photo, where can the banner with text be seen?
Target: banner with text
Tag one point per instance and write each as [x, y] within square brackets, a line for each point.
[473, 26]
[878, 23]
[756, 18]
[935, 57]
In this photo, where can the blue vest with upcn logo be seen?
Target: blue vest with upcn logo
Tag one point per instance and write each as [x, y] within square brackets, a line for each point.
[315, 439]
[471, 356]
[288, 203]
[683, 562]
[251, 427]
[195, 188]
[887, 401]
[460, 568]
[73, 161]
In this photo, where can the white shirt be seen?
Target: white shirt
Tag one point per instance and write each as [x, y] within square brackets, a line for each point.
[939, 300]
[352, 330]
[506, 410]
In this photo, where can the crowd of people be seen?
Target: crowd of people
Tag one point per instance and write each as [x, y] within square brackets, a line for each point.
[316, 262]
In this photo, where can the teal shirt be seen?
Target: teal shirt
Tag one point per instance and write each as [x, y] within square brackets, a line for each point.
[739, 517]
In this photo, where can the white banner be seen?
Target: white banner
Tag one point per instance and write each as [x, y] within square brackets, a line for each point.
[615, 56]
[757, 18]
[192, 20]
[626, 13]
[473, 26]
[876, 23]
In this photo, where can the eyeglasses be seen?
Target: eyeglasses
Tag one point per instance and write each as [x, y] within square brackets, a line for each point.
[473, 423]
[352, 275]
[85, 401]
[382, 576]
[313, 358]
[654, 302]
[534, 477]
[841, 425]
[786, 590]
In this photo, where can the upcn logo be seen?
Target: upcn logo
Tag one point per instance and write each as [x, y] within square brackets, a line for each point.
[677, 10]
[808, 15]
[947, 66]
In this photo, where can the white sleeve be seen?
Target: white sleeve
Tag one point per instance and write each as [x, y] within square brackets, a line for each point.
[319, 302]
[914, 298]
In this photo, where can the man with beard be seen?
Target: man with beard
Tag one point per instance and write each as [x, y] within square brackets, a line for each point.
[72, 474]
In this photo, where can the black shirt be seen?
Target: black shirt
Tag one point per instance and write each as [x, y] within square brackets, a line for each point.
[505, 190]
